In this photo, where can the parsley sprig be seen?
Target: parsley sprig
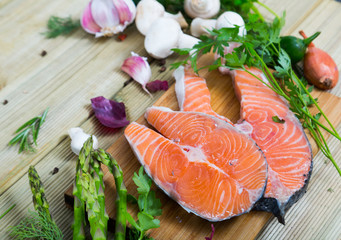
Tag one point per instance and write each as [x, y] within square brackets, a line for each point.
[28, 130]
[149, 205]
[261, 48]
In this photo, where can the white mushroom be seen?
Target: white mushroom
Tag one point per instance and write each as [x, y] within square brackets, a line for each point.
[165, 34]
[148, 11]
[202, 8]
[199, 26]
[229, 20]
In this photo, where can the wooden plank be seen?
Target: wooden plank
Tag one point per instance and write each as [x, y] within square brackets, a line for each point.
[176, 223]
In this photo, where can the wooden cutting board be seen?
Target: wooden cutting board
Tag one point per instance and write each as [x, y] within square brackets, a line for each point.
[176, 223]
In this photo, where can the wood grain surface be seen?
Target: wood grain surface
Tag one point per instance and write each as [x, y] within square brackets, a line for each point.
[176, 223]
[78, 67]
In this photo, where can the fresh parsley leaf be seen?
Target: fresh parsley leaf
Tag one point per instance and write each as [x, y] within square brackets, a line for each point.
[277, 119]
[143, 182]
[147, 221]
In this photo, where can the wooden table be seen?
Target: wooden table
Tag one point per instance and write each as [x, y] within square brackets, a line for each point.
[79, 67]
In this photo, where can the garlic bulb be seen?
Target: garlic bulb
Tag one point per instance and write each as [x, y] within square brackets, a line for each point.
[108, 17]
[78, 138]
[202, 8]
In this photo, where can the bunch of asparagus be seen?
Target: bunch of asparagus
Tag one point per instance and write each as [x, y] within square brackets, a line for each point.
[89, 191]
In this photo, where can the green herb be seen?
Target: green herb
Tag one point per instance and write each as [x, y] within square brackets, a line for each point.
[7, 211]
[330, 190]
[261, 48]
[31, 127]
[149, 205]
[60, 26]
[39, 224]
[277, 119]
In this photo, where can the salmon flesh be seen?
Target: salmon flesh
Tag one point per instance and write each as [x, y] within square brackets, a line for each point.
[285, 145]
[205, 164]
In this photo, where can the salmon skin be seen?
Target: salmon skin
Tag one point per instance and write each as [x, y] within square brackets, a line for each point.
[205, 164]
[285, 145]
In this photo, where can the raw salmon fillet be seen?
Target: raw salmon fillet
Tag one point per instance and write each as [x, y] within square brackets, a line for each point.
[285, 145]
[203, 163]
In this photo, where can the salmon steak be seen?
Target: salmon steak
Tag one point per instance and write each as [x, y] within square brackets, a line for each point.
[206, 165]
[284, 144]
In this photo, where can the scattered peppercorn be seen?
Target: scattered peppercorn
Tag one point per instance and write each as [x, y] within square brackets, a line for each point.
[54, 171]
[122, 37]
[43, 53]
[5, 102]
[162, 69]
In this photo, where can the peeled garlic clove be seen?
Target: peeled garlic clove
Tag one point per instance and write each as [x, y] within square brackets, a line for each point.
[138, 68]
[126, 11]
[78, 138]
[202, 8]
[87, 21]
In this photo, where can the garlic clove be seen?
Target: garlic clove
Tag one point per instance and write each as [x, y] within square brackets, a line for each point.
[78, 138]
[126, 10]
[202, 8]
[87, 21]
[229, 19]
[138, 68]
[105, 13]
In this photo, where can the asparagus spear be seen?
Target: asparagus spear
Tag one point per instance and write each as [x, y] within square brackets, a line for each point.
[39, 200]
[39, 224]
[121, 196]
[89, 189]
[79, 203]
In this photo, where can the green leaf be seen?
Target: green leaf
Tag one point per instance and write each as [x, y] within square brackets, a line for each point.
[60, 26]
[28, 123]
[153, 205]
[131, 220]
[131, 199]
[182, 51]
[147, 221]
[277, 119]
[143, 182]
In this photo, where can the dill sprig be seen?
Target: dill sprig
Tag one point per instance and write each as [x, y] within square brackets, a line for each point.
[60, 26]
[38, 225]
[29, 129]
[261, 48]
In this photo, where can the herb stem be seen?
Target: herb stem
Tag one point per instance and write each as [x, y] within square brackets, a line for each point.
[256, 11]
[267, 8]
[317, 106]
[7, 211]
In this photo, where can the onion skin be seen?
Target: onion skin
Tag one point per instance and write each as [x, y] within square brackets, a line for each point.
[319, 67]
